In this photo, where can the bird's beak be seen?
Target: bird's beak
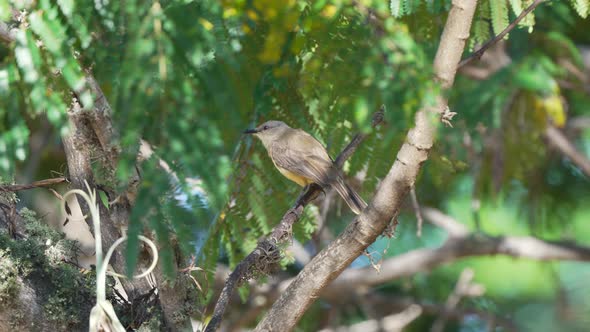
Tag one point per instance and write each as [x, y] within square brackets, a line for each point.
[251, 131]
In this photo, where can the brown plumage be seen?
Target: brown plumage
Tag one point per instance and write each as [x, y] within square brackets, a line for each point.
[304, 160]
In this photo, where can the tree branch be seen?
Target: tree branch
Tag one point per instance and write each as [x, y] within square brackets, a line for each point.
[464, 287]
[455, 248]
[267, 253]
[439, 219]
[477, 54]
[393, 322]
[6, 34]
[385, 206]
[559, 141]
[358, 138]
[389, 302]
[345, 288]
[35, 184]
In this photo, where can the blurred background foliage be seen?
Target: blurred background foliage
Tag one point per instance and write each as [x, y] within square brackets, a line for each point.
[190, 76]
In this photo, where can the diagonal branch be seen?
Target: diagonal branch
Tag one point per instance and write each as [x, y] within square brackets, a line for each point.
[439, 219]
[557, 139]
[267, 250]
[477, 54]
[386, 203]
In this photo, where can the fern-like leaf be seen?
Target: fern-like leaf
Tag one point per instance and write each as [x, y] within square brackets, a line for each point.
[529, 19]
[481, 26]
[499, 15]
[516, 6]
[582, 7]
[396, 8]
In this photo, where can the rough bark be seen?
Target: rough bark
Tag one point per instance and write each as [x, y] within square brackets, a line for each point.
[363, 231]
[93, 137]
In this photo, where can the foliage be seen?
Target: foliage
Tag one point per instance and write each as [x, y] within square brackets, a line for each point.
[190, 76]
[9, 284]
[39, 259]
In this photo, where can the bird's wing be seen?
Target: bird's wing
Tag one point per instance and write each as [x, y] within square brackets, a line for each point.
[303, 155]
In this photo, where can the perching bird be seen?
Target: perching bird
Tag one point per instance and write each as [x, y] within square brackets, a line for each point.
[304, 160]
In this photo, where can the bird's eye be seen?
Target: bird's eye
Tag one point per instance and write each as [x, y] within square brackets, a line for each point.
[265, 128]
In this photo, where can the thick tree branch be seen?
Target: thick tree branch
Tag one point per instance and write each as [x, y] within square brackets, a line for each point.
[267, 253]
[477, 54]
[363, 231]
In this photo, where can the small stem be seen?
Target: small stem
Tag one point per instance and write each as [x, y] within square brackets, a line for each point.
[477, 54]
[36, 184]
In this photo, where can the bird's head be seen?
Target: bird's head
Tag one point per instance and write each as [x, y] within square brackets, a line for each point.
[268, 131]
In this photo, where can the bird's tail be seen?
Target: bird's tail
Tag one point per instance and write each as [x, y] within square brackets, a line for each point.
[350, 196]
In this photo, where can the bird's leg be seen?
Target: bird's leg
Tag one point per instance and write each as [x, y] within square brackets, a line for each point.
[300, 200]
[302, 195]
[309, 193]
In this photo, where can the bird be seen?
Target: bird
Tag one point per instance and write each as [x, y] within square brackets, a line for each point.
[304, 160]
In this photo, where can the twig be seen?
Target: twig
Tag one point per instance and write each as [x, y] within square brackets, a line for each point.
[439, 219]
[416, 207]
[389, 302]
[477, 54]
[394, 322]
[464, 287]
[559, 141]
[6, 34]
[358, 138]
[36, 184]
[267, 250]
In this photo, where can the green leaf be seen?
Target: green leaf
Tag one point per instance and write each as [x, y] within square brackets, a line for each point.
[104, 199]
[5, 10]
[582, 7]
[516, 6]
[51, 38]
[533, 80]
[396, 8]
[361, 114]
[499, 15]
[24, 56]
